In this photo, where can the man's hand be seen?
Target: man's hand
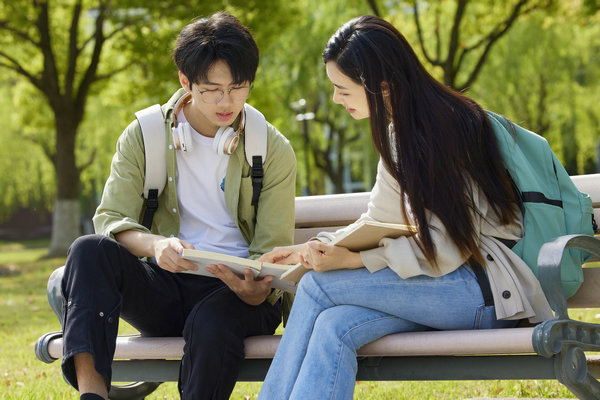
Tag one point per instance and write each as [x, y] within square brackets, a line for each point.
[249, 290]
[168, 252]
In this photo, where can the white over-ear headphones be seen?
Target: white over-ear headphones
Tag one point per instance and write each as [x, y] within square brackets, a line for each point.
[182, 132]
[225, 141]
[182, 136]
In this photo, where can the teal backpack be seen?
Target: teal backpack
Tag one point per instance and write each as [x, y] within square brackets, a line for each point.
[552, 205]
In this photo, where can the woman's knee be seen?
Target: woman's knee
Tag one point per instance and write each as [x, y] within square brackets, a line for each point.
[312, 281]
[334, 325]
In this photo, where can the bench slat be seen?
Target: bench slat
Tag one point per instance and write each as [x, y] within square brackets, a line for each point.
[345, 208]
[438, 343]
[589, 184]
[341, 209]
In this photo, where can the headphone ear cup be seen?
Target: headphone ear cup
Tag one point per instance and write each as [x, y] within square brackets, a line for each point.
[186, 130]
[182, 136]
[225, 141]
[176, 137]
[217, 147]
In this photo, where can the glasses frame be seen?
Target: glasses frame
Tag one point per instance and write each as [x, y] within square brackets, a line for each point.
[249, 87]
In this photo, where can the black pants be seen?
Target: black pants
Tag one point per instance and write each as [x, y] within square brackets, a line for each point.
[104, 281]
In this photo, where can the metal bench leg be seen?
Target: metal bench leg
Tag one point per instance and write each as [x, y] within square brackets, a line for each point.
[132, 391]
[571, 370]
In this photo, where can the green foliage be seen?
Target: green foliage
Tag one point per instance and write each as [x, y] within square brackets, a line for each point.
[544, 74]
[457, 37]
[27, 179]
[545, 78]
[292, 69]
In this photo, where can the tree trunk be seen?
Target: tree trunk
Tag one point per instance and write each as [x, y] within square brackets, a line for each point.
[65, 226]
[65, 219]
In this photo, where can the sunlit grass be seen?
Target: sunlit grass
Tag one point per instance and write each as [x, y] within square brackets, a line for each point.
[25, 315]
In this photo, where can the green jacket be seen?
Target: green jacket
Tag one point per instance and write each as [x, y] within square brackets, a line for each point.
[271, 224]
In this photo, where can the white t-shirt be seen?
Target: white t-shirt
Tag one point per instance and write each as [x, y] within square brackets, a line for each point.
[205, 221]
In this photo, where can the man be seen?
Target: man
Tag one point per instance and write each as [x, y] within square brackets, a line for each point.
[206, 204]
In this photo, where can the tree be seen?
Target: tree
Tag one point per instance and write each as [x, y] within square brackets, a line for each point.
[463, 40]
[545, 78]
[65, 82]
[69, 51]
[462, 35]
[335, 146]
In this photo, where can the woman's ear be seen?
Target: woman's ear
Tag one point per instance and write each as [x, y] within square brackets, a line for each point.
[385, 93]
[385, 89]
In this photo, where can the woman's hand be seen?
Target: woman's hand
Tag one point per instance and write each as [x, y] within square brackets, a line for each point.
[324, 257]
[284, 255]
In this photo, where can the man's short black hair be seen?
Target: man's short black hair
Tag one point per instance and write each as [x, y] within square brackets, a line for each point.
[220, 37]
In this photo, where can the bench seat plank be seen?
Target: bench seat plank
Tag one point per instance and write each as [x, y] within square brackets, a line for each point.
[433, 343]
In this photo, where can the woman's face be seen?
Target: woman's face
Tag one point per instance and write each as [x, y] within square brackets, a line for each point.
[347, 92]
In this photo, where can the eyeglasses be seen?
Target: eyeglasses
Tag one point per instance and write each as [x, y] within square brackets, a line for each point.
[213, 96]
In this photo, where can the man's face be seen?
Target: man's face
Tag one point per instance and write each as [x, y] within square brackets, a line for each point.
[208, 117]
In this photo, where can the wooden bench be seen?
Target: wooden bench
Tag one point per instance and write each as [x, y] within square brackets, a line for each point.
[553, 349]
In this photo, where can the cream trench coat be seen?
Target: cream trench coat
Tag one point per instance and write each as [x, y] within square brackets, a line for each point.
[517, 292]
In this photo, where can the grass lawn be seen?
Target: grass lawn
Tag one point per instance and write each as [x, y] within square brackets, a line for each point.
[25, 316]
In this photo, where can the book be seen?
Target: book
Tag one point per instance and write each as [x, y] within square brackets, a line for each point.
[367, 234]
[237, 264]
[364, 235]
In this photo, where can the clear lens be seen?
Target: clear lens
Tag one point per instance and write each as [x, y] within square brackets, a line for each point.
[215, 96]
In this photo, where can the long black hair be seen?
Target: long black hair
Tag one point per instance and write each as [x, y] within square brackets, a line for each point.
[442, 142]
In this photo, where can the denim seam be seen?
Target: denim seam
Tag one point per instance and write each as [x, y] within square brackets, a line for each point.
[342, 348]
[478, 317]
[323, 292]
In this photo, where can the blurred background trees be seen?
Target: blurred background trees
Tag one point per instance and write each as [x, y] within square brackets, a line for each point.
[73, 72]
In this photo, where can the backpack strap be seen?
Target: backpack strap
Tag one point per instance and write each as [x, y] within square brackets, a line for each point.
[255, 147]
[152, 123]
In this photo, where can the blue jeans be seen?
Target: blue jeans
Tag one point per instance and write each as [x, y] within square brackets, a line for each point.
[337, 312]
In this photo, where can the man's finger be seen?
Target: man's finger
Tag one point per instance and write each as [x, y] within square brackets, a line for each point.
[248, 275]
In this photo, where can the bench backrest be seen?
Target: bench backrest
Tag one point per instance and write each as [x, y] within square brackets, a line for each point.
[315, 214]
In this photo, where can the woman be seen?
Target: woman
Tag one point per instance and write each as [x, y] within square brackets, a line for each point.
[441, 171]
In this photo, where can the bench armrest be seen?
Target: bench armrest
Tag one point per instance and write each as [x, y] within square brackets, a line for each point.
[549, 260]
